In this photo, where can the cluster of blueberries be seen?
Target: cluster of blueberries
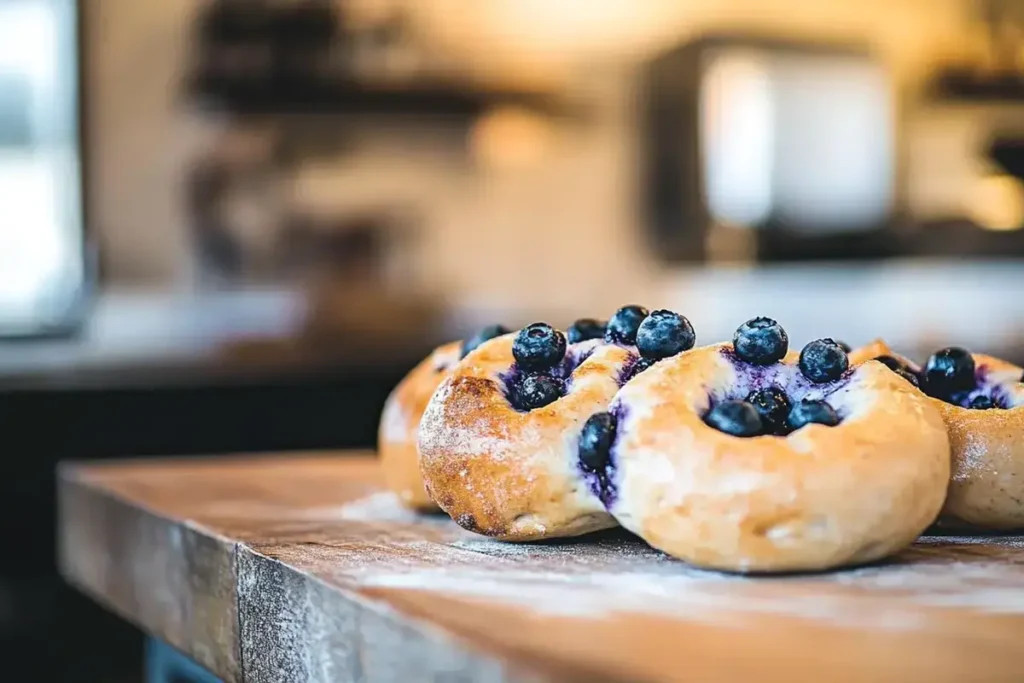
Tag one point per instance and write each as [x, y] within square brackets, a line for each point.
[949, 375]
[762, 341]
[539, 348]
[656, 335]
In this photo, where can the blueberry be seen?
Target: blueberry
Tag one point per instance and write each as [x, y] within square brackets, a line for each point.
[538, 347]
[893, 364]
[737, 418]
[908, 375]
[584, 329]
[899, 367]
[637, 367]
[772, 405]
[811, 412]
[761, 341]
[844, 346]
[982, 403]
[537, 391]
[823, 360]
[596, 441]
[949, 371]
[623, 326]
[486, 334]
[663, 334]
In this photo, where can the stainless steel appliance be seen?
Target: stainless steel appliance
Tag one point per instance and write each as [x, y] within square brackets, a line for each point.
[785, 149]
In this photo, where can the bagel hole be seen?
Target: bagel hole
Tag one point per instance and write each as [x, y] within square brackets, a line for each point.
[1003, 392]
[750, 378]
[574, 357]
[985, 387]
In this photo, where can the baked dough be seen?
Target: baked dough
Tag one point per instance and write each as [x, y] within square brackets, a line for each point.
[400, 425]
[874, 349]
[986, 488]
[819, 498]
[509, 474]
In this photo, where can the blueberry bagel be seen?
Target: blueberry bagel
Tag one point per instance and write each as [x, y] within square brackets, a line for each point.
[400, 420]
[981, 400]
[499, 440]
[750, 457]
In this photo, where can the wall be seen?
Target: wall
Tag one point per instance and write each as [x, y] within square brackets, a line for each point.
[484, 234]
[138, 139]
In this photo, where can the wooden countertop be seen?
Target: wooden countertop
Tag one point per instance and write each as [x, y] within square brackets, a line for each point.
[292, 568]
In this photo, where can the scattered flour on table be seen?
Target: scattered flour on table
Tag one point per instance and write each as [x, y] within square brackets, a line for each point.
[382, 506]
[601, 578]
[611, 572]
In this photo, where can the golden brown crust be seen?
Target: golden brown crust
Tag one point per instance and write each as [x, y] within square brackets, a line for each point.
[986, 488]
[509, 474]
[872, 349]
[987, 485]
[399, 426]
[819, 498]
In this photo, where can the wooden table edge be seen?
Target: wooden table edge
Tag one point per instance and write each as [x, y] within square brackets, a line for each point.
[74, 479]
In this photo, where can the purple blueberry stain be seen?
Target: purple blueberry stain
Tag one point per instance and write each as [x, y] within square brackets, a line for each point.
[597, 452]
[986, 391]
[562, 371]
[751, 378]
[633, 366]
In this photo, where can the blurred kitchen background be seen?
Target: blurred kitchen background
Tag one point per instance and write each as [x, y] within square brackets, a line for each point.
[231, 226]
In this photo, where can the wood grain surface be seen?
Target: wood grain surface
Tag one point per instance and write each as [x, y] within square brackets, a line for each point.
[301, 568]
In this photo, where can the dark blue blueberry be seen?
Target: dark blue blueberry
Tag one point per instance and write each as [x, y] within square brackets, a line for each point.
[844, 345]
[949, 371]
[538, 347]
[642, 364]
[596, 442]
[737, 418]
[823, 360]
[623, 326]
[486, 334]
[773, 406]
[982, 403]
[899, 367]
[890, 362]
[663, 334]
[584, 329]
[909, 375]
[761, 341]
[638, 366]
[537, 391]
[811, 412]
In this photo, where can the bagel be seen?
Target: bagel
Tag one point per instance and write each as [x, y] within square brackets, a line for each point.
[874, 349]
[986, 488]
[818, 498]
[400, 423]
[500, 439]
[508, 473]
